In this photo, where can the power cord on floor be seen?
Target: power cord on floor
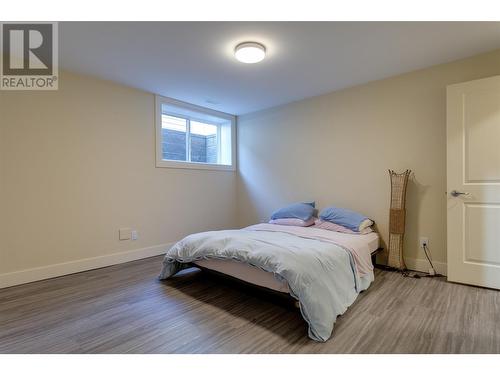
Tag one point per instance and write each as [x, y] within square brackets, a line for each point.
[426, 249]
[416, 275]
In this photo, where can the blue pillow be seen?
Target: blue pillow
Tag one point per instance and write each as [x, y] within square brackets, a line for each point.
[343, 216]
[303, 211]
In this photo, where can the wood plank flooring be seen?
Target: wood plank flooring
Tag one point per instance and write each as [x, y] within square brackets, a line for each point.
[126, 309]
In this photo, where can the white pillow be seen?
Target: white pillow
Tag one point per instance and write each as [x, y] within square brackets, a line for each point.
[365, 224]
[293, 221]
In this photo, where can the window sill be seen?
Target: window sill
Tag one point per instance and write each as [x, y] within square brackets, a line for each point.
[193, 165]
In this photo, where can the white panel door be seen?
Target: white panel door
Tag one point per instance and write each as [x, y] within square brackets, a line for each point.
[473, 166]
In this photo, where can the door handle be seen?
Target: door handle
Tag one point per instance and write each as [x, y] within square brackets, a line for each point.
[455, 193]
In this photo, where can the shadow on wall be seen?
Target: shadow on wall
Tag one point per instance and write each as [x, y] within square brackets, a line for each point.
[414, 198]
[250, 202]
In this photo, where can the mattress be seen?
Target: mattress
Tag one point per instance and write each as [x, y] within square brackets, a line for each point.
[265, 279]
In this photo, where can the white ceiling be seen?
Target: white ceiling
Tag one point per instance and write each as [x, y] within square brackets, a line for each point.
[193, 61]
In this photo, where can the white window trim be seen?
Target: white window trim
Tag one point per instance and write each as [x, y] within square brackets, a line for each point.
[160, 163]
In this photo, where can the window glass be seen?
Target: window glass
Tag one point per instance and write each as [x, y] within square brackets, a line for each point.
[173, 138]
[204, 143]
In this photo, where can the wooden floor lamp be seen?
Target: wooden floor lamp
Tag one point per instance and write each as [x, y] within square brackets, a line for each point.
[399, 182]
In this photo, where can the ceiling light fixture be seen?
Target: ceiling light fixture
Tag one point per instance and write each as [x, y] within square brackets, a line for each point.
[250, 52]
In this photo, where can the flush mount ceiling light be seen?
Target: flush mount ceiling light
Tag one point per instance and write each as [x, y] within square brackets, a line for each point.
[250, 52]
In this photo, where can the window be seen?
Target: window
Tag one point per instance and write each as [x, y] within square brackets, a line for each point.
[188, 136]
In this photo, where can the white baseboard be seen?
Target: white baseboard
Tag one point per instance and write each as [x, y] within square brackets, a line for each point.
[67, 268]
[61, 269]
[423, 265]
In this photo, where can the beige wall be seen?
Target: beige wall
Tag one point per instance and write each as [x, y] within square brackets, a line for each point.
[337, 148]
[78, 163]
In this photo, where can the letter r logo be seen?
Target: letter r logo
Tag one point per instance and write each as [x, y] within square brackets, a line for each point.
[27, 49]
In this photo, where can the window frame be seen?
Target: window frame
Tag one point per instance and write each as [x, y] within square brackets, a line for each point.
[161, 163]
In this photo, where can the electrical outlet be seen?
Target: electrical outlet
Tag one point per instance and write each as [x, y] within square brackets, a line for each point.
[423, 242]
[135, 235]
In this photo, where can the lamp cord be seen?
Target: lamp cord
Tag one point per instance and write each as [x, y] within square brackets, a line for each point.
[428, 258]
[417, 276]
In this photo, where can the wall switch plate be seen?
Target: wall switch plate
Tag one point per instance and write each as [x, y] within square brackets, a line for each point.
[135, 235]
[423, 241]
[125, 234]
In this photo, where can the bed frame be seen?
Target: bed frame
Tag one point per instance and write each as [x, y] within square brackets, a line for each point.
[374, 255]
[272, 295]
[253, 289]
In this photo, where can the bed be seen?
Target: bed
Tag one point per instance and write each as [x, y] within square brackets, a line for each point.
[259, 277]
[323, 270]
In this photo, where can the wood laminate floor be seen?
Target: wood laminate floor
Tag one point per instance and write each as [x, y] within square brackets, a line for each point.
[126, 309]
